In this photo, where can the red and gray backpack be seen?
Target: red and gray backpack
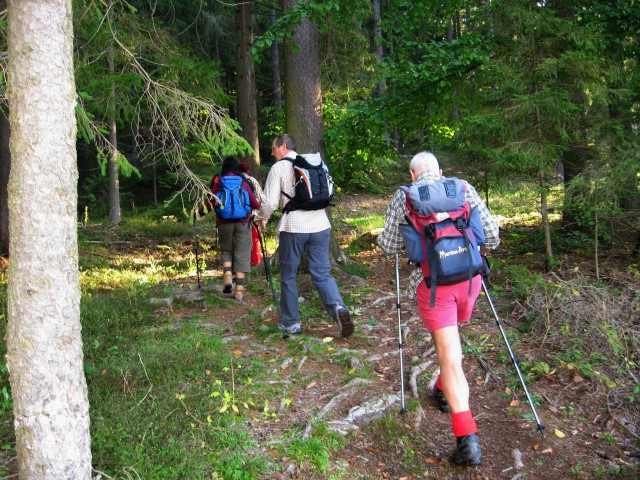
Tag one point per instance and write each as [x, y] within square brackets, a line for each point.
[444, 233]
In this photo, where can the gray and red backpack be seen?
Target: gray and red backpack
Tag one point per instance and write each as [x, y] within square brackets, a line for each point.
[444, 234]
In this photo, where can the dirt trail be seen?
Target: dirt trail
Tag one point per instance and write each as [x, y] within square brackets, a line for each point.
[582, 440]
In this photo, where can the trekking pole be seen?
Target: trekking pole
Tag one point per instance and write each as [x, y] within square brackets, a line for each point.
[197, 241]
[513, 359]
[267, 269]
[400, 344]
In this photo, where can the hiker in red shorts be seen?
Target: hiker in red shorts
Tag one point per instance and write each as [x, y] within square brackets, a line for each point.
[451, 305]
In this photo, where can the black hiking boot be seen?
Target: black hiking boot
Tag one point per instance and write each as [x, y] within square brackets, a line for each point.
[468, 451]
[343, 319]
[443, 405]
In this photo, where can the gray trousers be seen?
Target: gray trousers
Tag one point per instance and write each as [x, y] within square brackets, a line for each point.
[235, 244]
[316, 249]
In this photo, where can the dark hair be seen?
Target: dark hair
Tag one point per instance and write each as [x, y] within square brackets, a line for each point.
[229, 165]
[287, 140]
[244, 167]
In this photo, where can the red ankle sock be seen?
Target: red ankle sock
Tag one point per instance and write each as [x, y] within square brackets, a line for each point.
[463, 423]
[439, 384]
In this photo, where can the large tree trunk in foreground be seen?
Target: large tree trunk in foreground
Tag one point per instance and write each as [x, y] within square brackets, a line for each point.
[51, 410]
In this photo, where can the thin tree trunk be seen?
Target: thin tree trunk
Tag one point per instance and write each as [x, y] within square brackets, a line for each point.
[134, 152]
[246, 83]
[5, 168]
[377, 35]
[44, 345]
[275, 65]
[112, 166]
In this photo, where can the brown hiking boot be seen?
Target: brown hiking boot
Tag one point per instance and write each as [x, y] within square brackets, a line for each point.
[343, 319]
[239, 293]
[228, 285]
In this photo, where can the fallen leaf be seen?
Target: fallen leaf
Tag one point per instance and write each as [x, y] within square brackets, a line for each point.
[431, 460]
[207, 372]
[514, 403]
[507, 390]
[372, 450]
[558, 433]
[578, 378]
[327, 339]
[547, 450]
[273, 453]
[237, 352]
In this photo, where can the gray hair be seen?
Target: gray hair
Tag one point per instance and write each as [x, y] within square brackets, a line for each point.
[423, 162]
[285, 139]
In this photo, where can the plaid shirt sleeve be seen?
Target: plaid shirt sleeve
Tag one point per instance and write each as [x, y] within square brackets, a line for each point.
[390, 240]
[489, 224]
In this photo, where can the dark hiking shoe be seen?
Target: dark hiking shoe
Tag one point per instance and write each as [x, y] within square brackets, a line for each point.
[227, 288]
[343, 319]
[468, 451]
[443, 405]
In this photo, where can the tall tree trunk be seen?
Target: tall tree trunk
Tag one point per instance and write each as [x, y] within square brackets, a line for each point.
[5, 168]
[246, 80]
[112, 165]
[377, 35]
[275, 65]
[44, 345]
[303, 91]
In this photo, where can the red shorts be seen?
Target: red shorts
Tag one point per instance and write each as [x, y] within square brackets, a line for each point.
[453, 304]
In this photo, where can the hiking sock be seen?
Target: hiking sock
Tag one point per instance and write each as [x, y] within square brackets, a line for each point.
[239, 293]
[463, 423]
[439, 384]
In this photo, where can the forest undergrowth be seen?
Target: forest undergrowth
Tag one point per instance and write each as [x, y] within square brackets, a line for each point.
[186, 383]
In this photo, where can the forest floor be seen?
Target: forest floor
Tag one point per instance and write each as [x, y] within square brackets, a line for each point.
[319, 376]
[582, 439]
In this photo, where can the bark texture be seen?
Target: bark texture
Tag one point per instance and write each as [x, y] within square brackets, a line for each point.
[44, 345]
[246, 80]
[303, 92]
[5, 168]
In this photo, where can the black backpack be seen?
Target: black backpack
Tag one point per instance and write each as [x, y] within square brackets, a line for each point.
[313, 185]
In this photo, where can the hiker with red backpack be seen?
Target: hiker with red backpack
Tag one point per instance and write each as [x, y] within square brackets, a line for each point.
[256, 256]
[445, 227]
[233, 200]
[301, 186]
